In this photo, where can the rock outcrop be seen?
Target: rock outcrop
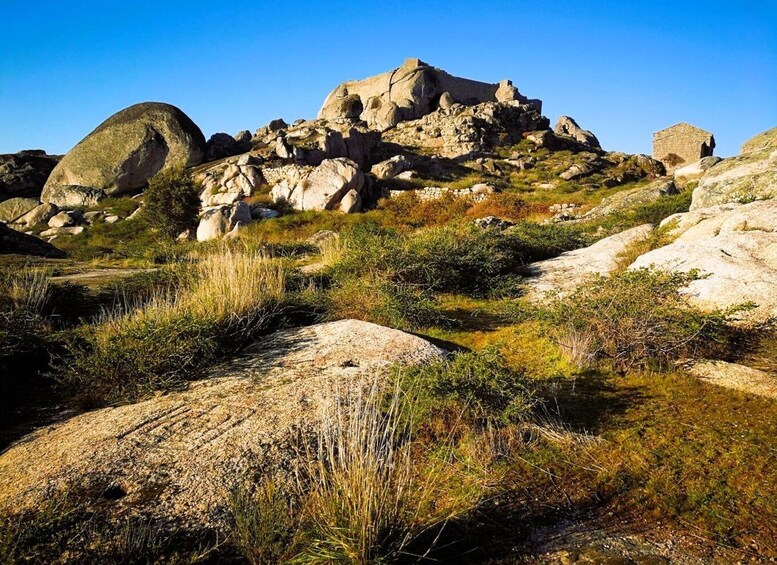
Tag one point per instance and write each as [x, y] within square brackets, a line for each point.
[336, 184]
[410, 92]
[127, 149]
[218, 221]
[750, 176]
[23, 174]
[231, 181]
[629, 199]
[462, 131]
[734, 249]
[190, 448]
[568, 127]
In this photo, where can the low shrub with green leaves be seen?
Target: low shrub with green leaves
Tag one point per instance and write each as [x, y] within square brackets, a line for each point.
[172, 202]
[639, 319]
[478, 384]
[457, 258]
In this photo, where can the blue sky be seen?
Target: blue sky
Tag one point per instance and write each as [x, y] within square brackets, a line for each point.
[622, 69]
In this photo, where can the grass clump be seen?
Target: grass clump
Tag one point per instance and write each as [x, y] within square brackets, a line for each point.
[638, 319]
[172, 202]
[263, 523]
[230, 297]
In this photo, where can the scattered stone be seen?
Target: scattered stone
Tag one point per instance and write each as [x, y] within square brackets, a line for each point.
[323, 238]
[111, 219]
[38, 215]
[65, 219]
[259, 212]
[492, 222]
[391, 168]
[127, 149]
[58, 231]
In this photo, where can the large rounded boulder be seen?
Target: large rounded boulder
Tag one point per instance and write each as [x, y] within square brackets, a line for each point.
[127, 149]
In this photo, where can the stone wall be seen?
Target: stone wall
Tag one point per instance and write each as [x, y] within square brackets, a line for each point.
[682, 144]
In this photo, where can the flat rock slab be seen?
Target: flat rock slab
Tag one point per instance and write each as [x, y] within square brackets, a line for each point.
[175, 457]
[737, 377]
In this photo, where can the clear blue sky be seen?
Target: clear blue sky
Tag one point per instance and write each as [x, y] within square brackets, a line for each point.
[622, 69]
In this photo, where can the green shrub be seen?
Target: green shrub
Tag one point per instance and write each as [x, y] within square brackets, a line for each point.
[480, 384]
[464, 259]
[172, 202]
[639, 318]
[380, 301]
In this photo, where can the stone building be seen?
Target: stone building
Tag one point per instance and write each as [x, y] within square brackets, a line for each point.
[682, 144]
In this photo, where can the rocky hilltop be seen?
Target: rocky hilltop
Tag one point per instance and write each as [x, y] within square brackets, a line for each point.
[424, 323]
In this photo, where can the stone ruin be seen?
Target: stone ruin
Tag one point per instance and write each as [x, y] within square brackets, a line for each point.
[410, 92]
[682, 144]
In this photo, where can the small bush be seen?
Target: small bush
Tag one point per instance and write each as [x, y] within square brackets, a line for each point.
[479, 384]
[639, 318]
[172, 202]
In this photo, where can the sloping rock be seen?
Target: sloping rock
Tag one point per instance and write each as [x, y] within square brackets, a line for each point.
[569, 127]
[14, 242]
[218, 221]
[734, 248]
[696, 170]
[14, 208]
[410, 92]
[565, 273]
[321, 188]
[129, 148]
[628, 199]
[25, 173]
[750, 176]
[737, 377]
[190, 448]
